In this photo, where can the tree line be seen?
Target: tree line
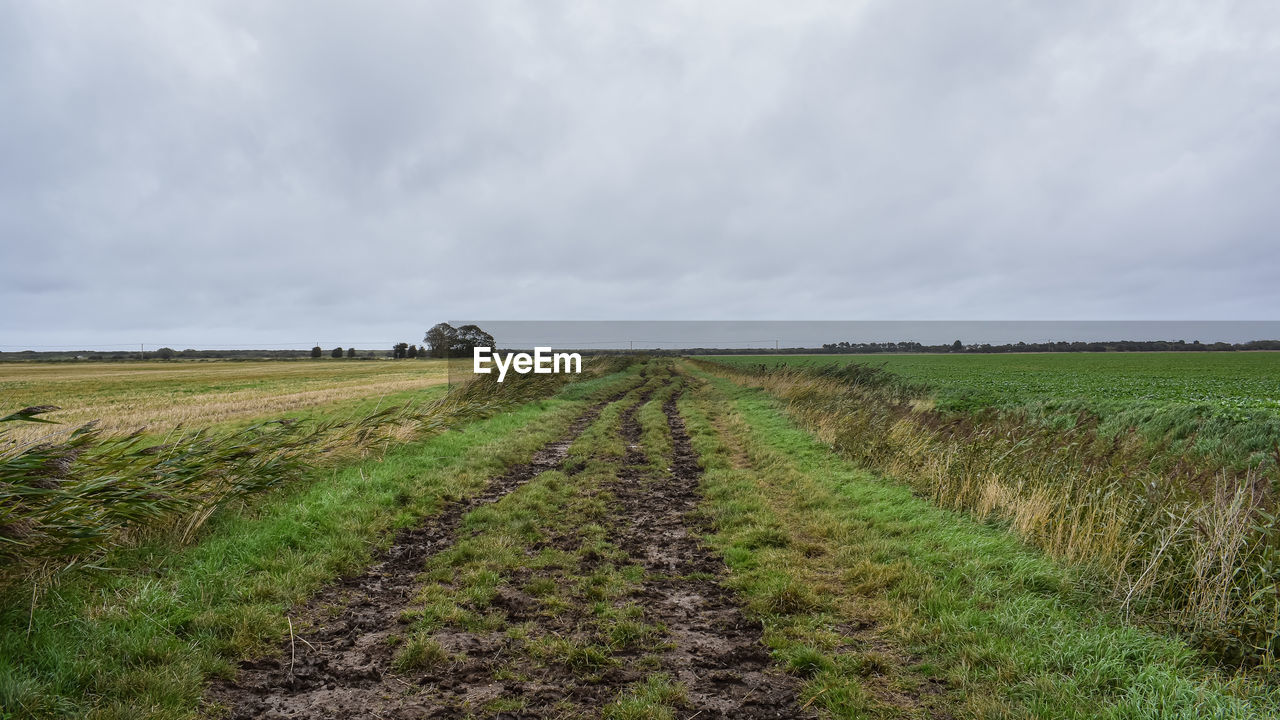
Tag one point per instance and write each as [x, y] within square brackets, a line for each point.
[1059, 346]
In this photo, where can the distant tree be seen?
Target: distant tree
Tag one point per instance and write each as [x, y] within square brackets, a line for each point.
[337, 353]
[351, 352]
[412, 352]
[440, 339]
[166, 353]
[470, 336]
[317, 352]
[422, 353]
[448, 341]
[400, 350]
[957, 346]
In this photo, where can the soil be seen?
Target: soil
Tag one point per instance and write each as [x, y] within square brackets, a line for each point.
[339, 663]
[717, 653]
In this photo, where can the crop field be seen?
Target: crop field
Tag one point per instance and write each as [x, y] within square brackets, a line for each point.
[1228, 382]
[158, 396]
[657, 538]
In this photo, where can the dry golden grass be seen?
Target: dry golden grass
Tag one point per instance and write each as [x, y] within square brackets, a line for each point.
[161, 395]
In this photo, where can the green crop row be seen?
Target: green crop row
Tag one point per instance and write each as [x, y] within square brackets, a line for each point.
[1218, 409]
[1227, 381]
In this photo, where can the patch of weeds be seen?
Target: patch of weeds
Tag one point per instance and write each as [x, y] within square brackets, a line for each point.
[508, 673]
[554, 606]
[551, 558]
[777, 593]
[439, 609]
[633, 573]
[576, 653]
[765, 537]
[488, 622]
[806, 661]
[649, 662]
[520, 632]
[654, 699]
[541, 587]
[479, 588]
[420, 652]
[498, 705]
[629, 633]
[866, 664]
[603, 584]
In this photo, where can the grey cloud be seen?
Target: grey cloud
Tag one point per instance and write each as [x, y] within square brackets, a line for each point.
[253, 173]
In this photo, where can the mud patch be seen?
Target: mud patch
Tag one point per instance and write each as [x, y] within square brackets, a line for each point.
[716, 653]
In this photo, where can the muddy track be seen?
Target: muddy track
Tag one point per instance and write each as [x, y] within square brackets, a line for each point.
[335, 664]
[341, 664]
[706, 645]
[716, 653]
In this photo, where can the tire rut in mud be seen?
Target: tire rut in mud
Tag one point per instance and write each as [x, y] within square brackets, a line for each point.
[716, 652]
[336, 662]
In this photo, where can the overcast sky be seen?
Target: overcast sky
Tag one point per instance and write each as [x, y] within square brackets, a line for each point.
[233, 173]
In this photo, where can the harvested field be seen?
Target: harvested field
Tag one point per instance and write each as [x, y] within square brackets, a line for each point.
[159, 395]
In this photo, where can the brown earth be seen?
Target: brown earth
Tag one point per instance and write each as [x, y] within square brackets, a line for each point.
[717, 653]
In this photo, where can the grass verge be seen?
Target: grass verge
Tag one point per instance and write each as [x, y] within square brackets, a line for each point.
[894, 607]
[1186, 547]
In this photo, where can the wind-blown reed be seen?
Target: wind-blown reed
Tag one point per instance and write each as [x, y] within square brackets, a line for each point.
[1182, 544]
[67, 499]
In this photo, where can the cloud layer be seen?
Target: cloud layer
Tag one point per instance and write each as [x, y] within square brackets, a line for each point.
[235, 173]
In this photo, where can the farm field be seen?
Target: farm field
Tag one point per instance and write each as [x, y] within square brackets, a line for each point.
[663, 539]
[159, 395]
[1226, 381]
[1158, 472]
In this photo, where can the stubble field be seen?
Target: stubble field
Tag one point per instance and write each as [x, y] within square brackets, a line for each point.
[159, 395]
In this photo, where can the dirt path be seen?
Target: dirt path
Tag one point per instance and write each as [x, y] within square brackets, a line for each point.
[716, 652]
[339, 666]
[611, 606]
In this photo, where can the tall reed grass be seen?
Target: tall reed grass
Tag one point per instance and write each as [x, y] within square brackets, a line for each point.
[69, 497]
[1182, 544]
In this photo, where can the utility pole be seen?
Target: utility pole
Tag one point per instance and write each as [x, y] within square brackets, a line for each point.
[142, 351]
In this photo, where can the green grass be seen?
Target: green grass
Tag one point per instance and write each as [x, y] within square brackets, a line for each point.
[1228, 382]
[656, 698]
[894, 607]
[137, 638]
